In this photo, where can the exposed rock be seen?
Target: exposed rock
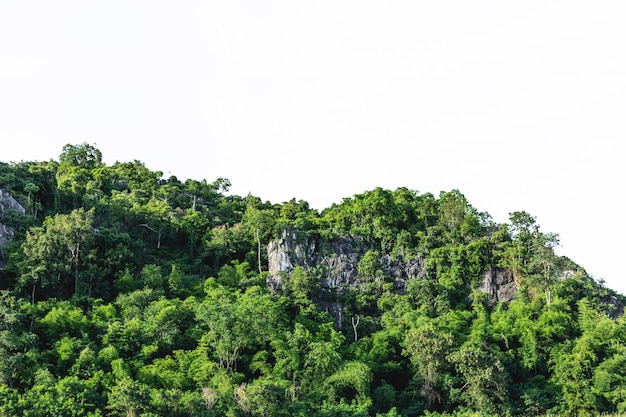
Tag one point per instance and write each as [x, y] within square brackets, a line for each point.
[7, 202]
[284, 252]
[402, 271]
[567, 274]
[6, 234]
[335, 310]
[499, 283]
[337, 260]
[340, 272]
[336, 263]
[615, 304]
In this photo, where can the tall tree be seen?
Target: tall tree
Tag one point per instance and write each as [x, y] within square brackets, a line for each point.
[58, 249]
[261, 222]
[76, 164]
[543, 268]
[427, 347]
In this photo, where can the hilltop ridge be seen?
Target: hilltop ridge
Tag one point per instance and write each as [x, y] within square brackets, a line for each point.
[127, 293]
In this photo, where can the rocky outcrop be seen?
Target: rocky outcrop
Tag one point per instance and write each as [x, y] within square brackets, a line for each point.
[6, 234]
[283, 254]
[336, 261]
[499, 283]
[615, 305]
[403, 270]
[7, 202]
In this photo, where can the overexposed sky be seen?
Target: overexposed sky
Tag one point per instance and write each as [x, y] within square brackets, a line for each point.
[519, 105]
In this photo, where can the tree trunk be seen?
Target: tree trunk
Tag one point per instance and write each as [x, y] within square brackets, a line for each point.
[258, 240]
[32, 295]
[355, 324]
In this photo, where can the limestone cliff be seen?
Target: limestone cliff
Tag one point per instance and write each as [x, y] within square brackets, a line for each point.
[337, 260]
[7, 202]
[499, 283]
[336, 263]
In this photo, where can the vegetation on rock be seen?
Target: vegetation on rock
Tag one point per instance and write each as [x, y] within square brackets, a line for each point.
[124, 293]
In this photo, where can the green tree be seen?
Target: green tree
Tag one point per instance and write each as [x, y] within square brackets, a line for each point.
[76, 163]
[128, 398]
[577, 366]
[483, 380]
[428, 348]
[453, 208]
[609, 379]
[261, 222]
[351, 382]
[14, 340]
[228, 318]
[58, 251]
[543, 266]
[522, 229]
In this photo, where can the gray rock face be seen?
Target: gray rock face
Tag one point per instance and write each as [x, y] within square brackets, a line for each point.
[403, 270]
[291, 249]
[7, 202]
[499, 283]
[337, 260]
[6, 234]
[615, 304]
[339, 264]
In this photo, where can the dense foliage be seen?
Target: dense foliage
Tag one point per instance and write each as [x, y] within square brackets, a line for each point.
[128, 294]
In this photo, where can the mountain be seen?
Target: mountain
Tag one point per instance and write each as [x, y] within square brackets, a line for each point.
[127, 293]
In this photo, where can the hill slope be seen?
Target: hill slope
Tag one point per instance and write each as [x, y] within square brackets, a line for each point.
[125, 293]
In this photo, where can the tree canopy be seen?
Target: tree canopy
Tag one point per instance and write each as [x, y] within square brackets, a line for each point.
[124, 293]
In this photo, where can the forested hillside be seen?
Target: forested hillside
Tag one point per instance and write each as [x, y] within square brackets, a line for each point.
[125, 293]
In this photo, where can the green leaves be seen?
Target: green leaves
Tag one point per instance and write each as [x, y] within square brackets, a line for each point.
[132, 294]
[351, 382]
[58, 251]
[428, 348]
[482, 379]
[227, 318]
